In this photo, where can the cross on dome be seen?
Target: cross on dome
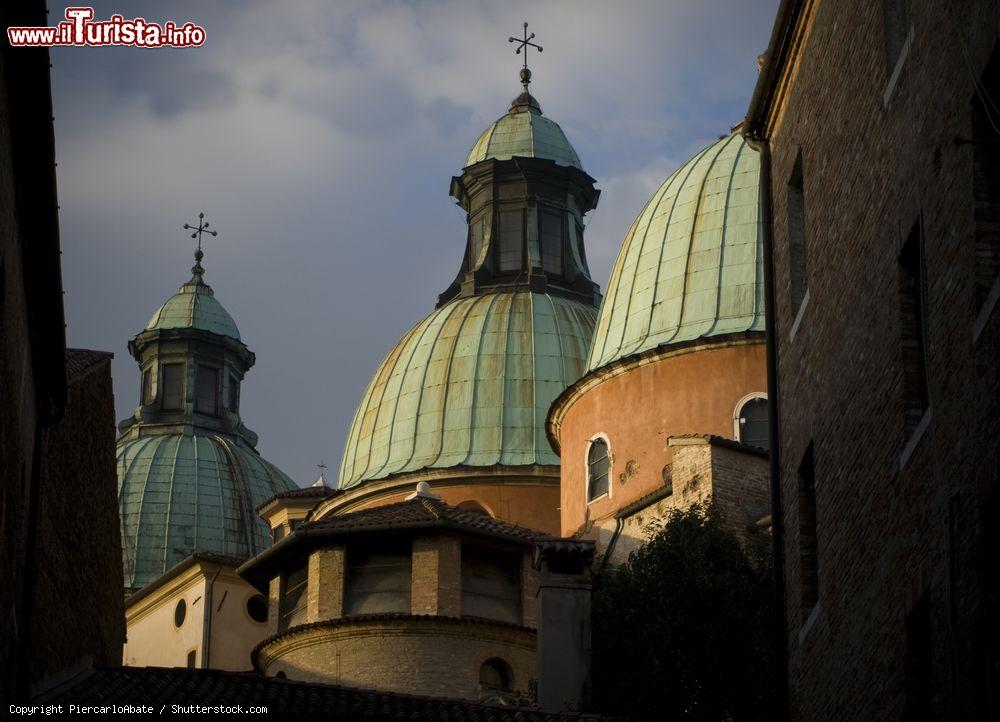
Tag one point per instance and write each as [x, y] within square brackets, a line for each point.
[524, 43]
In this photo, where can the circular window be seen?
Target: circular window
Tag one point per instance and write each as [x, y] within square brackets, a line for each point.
[257, 608]
[180, 611]
[281, 675]
[495, 675]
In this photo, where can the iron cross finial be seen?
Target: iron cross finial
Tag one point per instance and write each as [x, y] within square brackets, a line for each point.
[524, 43]
[321, 466]
[201, 228]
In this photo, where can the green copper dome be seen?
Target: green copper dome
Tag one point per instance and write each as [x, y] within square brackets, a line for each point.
[525, 133]
[180, 493]
[194, 306]
[691, 265]
[189, 475]
[470, 385]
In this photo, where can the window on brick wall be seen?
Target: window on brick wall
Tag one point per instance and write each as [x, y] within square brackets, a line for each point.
[897, 26]
[172, 382]
[378, 579]
[798, 281]
[292, 608]
[808, 550]
[495, 675]
[912, 330]
[986, 178]
[491, 584]
[919, 660]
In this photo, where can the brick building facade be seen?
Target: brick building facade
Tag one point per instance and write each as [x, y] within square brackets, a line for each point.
[878, 124]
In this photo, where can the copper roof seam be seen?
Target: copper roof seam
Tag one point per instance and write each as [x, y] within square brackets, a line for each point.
[406, 344]
[142, 499]
[121, 492]
[694, 225]
[475, 376]
[420, 393]
[506, 375]
[722, 241]
[664, 189]
[170, 500]
[534, 377]
[447, 379]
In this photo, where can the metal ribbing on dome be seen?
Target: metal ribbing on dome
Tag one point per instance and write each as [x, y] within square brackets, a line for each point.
[182, 493]
[691, 265]
[194, 306]
[469, 385]
[527, 134]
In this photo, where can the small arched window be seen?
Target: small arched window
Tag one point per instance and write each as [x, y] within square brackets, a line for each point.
[495, 676]
[751, 422]
[598, 469]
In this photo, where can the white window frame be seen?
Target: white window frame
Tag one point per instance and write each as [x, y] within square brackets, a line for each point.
[600, 436]
[739, 407]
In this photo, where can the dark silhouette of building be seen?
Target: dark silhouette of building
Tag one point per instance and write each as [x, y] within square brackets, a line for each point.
[879, 125]
[58, 534]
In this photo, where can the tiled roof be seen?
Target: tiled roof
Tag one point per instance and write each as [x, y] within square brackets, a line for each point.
[715, 440]
[159, 686]
[420, 512]
[80, 360]
[321, 492]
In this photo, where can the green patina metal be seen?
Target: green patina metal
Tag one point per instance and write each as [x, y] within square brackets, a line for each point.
[471, 384]
[524, 132]
[691, 265]
[181, 493]
[189, 477]
[195, 306]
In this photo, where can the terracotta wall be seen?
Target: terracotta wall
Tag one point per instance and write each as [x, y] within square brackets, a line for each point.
[691, 393]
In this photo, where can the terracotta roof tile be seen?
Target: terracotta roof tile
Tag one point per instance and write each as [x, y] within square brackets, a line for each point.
[80, 360]
[158, 686]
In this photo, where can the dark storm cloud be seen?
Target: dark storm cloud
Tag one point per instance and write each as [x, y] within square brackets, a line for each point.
[320, 138]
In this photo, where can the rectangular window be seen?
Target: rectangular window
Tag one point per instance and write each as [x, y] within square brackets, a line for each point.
[233, 394]
[207, 400]
[912, 330]
[477, 229]
[511, 237]
[986, 178]
[897, 25]
[147, 386]
[293, 604]
[552, 243]
[797, 236]
[808, 549]
[172, 384]
[378, 580]
[491, 585]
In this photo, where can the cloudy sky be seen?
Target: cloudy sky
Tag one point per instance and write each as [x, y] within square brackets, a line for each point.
[320, 139]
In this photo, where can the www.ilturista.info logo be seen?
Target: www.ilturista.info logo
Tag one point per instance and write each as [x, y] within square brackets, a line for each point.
[79, 28]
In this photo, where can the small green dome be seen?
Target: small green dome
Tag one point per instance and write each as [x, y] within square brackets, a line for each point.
[692, 264]
[180, 493]
[525, 133]
[470, 385]
[194, 306]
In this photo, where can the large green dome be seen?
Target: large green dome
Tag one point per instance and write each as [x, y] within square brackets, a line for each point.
[524, 132]
[194, 306]
[470, 385]
[180, 493]
[691, 265]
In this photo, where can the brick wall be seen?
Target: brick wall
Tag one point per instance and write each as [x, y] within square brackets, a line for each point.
[79, 608]
[427, 656]
[897, 520]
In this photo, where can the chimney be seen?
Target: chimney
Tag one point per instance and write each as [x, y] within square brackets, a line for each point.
[564, 586]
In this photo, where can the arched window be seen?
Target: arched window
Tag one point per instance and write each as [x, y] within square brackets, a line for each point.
[495, 676]
[598, 469]
[751, 421]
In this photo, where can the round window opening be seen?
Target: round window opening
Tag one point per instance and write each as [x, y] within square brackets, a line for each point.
[495, 674]
[257, 608]
[180, 611]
